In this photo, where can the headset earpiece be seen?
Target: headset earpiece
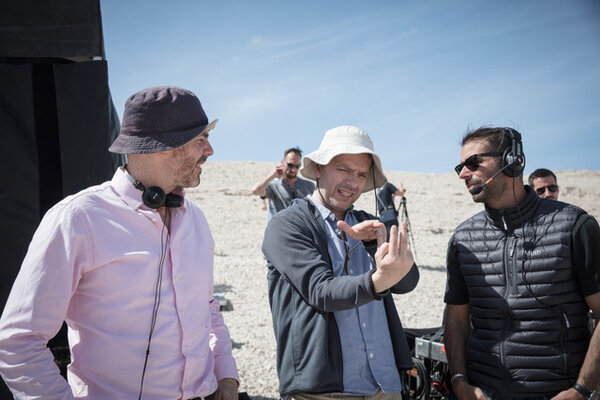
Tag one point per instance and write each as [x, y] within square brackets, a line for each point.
[154, 197]
[173, 200]
[513, 158]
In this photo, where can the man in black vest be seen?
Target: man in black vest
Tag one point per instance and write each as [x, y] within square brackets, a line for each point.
[522, 277]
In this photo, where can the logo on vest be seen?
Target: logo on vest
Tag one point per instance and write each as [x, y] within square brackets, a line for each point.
[535, 252]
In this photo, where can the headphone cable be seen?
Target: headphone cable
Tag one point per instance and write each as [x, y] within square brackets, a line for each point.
[157, 291]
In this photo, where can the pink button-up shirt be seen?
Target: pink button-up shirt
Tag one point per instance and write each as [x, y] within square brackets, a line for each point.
[94, 262]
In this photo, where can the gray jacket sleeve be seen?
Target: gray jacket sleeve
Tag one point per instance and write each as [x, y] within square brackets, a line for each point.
[300, 255]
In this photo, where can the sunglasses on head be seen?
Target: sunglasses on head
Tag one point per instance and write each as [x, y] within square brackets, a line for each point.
[472, 162]
[542, 190]
[290, 165]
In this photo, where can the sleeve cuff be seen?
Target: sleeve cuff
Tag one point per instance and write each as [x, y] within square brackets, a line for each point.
[225, 367]
[377, 296]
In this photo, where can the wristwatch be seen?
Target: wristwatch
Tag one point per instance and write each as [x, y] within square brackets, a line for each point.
[589, 394]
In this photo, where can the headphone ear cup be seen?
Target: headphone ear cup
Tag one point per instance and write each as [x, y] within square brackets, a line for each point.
[173, 200]
[154, 197]
[515, 169]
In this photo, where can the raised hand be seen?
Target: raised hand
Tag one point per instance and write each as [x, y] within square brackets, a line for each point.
[366, 230]
[401, 191]
[393, 259]
[279, 171]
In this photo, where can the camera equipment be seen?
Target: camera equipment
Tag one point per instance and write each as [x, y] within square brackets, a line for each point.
[403, 211]
[429, 377]
[389, 213]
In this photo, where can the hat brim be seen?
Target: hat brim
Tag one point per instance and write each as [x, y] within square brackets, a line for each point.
[132, 144]
[376, 176]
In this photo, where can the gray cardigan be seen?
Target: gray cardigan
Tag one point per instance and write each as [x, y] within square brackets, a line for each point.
[304, 293]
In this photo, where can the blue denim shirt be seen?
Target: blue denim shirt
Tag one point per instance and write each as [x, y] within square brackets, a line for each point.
[368, 357]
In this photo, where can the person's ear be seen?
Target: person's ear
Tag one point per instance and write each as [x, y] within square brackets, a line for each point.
[316, 168]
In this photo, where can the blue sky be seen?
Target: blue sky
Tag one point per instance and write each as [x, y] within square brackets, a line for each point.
[414, 74]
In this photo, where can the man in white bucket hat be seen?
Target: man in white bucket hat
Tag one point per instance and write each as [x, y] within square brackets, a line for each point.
[331, 275]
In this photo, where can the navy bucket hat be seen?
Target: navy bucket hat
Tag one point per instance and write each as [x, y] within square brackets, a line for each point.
[158, 119]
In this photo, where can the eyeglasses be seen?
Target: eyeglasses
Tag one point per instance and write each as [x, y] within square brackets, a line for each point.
[541, 190]
[472, 163]
[290, 165]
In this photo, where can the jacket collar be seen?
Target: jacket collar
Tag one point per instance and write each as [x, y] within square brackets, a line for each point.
[510, 218]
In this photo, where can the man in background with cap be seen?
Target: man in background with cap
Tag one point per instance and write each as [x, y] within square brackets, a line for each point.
[283, 185]
[331, 275]
[128, 264]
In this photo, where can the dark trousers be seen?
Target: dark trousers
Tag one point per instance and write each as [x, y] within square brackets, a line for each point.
[209, 397]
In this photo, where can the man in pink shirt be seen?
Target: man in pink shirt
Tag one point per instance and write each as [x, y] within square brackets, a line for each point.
[128, 264]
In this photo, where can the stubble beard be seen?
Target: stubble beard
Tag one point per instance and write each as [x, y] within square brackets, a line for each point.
[290, 176]
[185, 171]
[492, 190]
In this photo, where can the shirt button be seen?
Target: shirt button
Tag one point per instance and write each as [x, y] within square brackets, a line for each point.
[182, 313]
[351, 271]
[153, 219]
[371, 355]
[364, 324]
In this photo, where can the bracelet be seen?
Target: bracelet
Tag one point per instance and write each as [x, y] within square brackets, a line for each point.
[590, 394]
[456, 377]
[583, 390]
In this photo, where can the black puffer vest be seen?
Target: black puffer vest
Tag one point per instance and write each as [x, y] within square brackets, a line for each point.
[529, 330]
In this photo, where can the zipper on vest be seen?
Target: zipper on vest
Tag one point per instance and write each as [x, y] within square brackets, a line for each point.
[564, 338]
[513, 265]
[510, 266]
[567, 324]
[506, 374]
[505, 265]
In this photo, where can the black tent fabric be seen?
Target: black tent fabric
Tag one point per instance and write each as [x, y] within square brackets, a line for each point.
[51, 28]
[56, 131]
[56, 117]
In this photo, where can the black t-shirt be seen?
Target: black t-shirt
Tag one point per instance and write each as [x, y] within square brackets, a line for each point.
[385, 197]
[585, 257]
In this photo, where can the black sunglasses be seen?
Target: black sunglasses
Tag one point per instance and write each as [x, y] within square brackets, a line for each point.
[542, 190]
[472, 163]
[297, 166]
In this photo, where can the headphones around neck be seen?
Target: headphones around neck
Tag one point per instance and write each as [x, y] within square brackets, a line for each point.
[154, 197]
[513, 159]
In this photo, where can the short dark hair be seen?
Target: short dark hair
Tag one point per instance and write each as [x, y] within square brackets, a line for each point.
[293, 150]
[499, 139]
[541, 173]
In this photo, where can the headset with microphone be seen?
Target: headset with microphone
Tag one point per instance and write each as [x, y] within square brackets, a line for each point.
[513, 164]
[513, 160]
[154, 197]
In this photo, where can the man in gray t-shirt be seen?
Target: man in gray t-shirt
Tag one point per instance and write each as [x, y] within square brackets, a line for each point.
[283, 185]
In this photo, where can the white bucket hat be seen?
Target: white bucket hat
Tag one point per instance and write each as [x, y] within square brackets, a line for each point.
[345, 140]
